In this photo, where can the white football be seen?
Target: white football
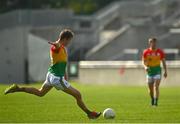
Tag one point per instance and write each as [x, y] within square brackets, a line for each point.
[109, 113]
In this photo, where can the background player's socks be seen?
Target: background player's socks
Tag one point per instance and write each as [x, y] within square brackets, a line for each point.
[152, 101]
[156, 101]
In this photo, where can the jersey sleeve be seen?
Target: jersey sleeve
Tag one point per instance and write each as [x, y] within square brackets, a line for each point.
[162, 54]
[54, 49]
[144, 55]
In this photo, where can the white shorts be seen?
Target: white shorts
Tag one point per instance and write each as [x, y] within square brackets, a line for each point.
[58, 82]
[151, 79]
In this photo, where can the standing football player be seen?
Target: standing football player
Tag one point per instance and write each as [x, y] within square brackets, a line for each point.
[151, 59]
[56, 76]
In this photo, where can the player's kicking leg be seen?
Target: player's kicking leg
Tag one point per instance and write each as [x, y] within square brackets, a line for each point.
[31, 90]
[76, 94]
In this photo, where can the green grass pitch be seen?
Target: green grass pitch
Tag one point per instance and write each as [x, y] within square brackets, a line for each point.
[131, 104]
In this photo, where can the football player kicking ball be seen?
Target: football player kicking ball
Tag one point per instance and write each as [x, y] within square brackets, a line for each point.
[56, 74]
[152, 58]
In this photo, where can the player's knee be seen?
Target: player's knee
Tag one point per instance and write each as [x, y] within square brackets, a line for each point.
[156, 87]
[41, 94]
[150, 91]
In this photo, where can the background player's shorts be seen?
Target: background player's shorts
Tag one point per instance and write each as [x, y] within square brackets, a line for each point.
[58, 82]
[151, 79]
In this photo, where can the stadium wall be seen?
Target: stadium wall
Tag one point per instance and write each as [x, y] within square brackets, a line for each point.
[123, 73]
[13, 55]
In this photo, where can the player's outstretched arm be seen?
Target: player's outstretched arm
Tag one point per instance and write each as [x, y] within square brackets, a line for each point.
[55, 44]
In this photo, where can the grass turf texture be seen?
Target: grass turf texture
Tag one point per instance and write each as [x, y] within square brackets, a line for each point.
[131, 104]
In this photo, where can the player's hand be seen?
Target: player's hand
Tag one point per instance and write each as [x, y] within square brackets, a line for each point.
[146, 68]
[165, 74]
[66, 77]
[56, 44]
[53, 43]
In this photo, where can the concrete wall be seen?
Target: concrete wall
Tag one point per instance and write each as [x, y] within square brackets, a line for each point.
[170, 40]
[38, 58]
[134, 37]
[13, 55]
[139, 8]
[36, 18]
[123, 73]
